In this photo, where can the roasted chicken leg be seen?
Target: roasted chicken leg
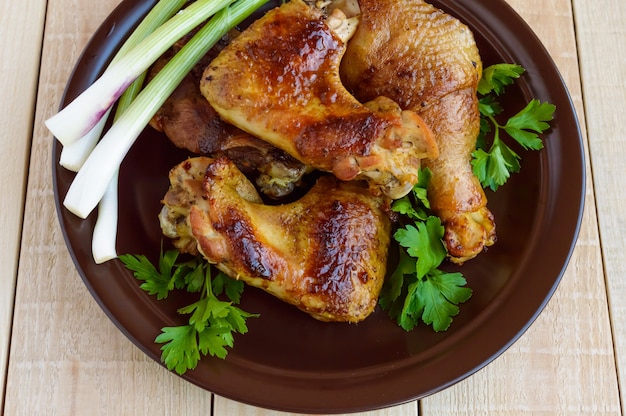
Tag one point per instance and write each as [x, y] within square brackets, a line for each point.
[279, 81]
[189, 122]
[428, 62]
[325, 253]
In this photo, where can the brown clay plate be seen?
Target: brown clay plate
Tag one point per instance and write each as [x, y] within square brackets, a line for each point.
[288, 361]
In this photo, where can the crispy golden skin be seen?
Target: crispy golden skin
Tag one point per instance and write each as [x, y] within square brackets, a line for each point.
[189, 121]
[279, 81]
[428, 62]
[325, 253]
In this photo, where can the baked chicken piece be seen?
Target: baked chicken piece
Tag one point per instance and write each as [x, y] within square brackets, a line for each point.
[189, 122]
[325, 253]
[428, 62]
[279, 81]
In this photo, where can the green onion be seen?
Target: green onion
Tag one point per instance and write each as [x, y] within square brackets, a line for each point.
[105, 232]
[74, 154]
[99, 169]
[82, 114]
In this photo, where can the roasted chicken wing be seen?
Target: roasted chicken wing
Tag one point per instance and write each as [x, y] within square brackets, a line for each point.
[279, 81]
[325, 253]
[428, 62]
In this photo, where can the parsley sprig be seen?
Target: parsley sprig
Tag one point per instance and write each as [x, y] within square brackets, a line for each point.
[418, 290]
[494, 164]
[212, 321]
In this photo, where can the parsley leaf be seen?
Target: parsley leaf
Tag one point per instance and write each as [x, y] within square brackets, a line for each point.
[496, 77]
[414, 204]
[212, 321]
[435, 299]
[525, 125]
[417, 290]
[392, 288]
[494, 168]
[494, 164]
[178, 350]
[432, 299]
[155, 282]
[423, 241]
[231, 287]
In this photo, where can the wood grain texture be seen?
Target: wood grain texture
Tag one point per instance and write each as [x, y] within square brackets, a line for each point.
[67, 358]
[225, 407]
[602, 44]
[564, 364]
[19, 65]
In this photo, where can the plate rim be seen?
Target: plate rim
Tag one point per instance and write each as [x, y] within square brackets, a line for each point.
[140, 8]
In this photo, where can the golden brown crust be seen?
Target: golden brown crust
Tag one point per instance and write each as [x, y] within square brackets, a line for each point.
[411, 52]
[280, 82]
[189, 122]
[325, 253]
[428, 62]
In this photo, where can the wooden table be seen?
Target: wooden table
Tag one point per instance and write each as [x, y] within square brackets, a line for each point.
[571, 361]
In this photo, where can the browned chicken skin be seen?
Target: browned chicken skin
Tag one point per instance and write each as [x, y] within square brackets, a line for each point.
[189, 121]
[186, 118]
[279, 80]
[428, 62]
[326, 253]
